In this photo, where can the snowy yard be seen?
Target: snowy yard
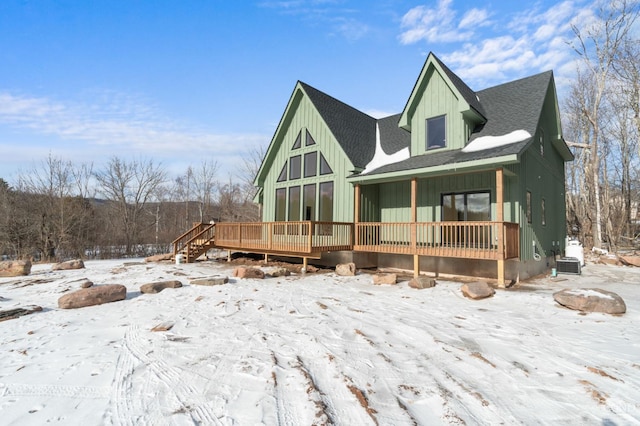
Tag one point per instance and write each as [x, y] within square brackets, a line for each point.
[315, 349]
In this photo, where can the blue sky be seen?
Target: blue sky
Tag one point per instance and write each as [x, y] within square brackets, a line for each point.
[185, 81]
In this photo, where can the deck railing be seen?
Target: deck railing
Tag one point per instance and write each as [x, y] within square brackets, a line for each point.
[305, 237]
[474, 240]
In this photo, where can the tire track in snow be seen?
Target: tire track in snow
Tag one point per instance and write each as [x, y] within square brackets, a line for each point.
[190, 399]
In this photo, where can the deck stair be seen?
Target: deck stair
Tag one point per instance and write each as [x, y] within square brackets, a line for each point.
[195, 242]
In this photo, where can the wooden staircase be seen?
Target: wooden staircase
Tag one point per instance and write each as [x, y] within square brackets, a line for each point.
[195, 242]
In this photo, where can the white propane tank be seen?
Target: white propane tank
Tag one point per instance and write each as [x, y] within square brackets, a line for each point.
[575, 249]
[179, 259]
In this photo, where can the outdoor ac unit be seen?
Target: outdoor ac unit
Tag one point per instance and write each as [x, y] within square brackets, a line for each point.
[568, 265]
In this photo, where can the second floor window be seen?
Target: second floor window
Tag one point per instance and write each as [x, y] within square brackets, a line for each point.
[436, 132]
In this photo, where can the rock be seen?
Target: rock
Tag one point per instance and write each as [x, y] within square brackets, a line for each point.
[591, 300]
[158, 286]
[86, 283]
[93, 296]
[630, 260]
[244, 272]
[15, 268]
[278, 271]
[477, 290]
[69, 264]
[609, 260]
[379, 279]
[217, 280]
[159, 257]
[346, 269]
[422, 282]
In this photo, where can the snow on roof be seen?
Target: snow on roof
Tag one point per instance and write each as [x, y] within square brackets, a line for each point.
[487, 142]
[381, 158]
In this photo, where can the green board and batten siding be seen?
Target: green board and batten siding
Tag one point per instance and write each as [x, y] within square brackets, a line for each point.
[543, 175]
[438, 98]
[304, 116]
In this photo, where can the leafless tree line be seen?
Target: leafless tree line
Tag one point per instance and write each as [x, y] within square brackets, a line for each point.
[602, 125]
[60, 210]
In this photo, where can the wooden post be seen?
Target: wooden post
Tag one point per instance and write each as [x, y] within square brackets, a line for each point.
[356, 214]
[228, 255]
[414, 231]
[266, 258]
[500, 220]
[305, 262]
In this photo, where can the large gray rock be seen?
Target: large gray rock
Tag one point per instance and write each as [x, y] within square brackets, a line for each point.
[477, 290]
[346, 269]
[93, 296]
[390, 279]
[15, 268]
[69, 264]
[209, 281]
[244, 272]
[591, 300]
[158, 286]
[422, 282]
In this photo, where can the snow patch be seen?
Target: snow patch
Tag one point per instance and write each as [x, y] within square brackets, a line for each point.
[381, 158]
[487, 142]
[589, 293]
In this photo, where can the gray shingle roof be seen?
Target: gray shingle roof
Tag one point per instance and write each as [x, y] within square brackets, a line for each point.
[354, 130]
[516, 105]
[511, 106]
[466, 92]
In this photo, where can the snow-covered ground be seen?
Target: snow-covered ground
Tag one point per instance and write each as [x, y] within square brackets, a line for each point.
[315, 349]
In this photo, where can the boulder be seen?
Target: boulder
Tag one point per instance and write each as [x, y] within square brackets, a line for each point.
[591, 300]
[630, 260]
[278, 271]
[93, 296]
[244, 272]
[422, 282]
[217, 280]
[69, 264]
[477, 290]
[609, 260]
[346, 269]
[379, 279]
[85, 283]
[159, 257]
[158, 286]
[15, 268]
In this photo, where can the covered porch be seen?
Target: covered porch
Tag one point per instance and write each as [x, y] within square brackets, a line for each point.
[453, 216]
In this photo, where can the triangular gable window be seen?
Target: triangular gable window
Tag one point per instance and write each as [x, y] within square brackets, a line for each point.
[325, 169]
[309, 140]
[298, 143]
[283, 173]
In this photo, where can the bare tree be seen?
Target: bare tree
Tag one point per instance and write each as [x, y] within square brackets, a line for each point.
[130, 186]
[599, 45]
[204, 184]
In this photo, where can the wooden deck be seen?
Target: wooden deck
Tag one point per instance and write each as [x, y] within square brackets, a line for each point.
[304, 239]
[309, 239]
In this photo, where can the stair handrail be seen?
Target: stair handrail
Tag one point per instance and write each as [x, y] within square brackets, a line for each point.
[183, 240]
[207, 233]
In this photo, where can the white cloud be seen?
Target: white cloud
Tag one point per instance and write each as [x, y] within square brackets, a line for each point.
[118, 125]
[474, 18]
[433, 25]
[486, 47]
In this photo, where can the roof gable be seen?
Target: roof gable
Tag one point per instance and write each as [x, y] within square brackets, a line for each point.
[467, 97]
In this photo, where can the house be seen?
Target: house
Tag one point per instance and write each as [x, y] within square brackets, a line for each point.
[459, 182]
